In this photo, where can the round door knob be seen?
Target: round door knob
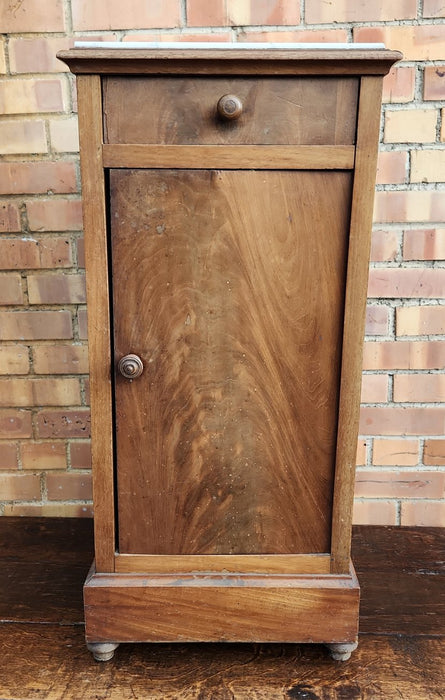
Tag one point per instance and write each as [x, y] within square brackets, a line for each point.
[130, 366]
[229, 107]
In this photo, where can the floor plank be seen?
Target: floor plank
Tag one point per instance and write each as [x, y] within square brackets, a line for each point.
[401, 653]
[60, 668]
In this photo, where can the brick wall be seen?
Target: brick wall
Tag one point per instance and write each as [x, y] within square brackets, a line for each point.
[44, 448]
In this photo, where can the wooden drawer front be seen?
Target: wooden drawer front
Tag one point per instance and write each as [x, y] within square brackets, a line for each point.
[170, 110]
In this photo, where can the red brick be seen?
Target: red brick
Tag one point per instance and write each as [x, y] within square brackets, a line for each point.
[423, 513]
[433, 8]
[9, 217]
[31, 95]
[434, 83]
[49, 510]
[375, 512]
[14, 359]
[37, 55]
[15, 423]
[410, 205]
[420, 320]
[20, 487]
[298, 36]
[32, 16]
[113, 14]
[374, 388]
[82, 322]
[70, 487]
[34, 253]
[2, 56]
[434, 453]
[35, 325]
[425, 42]
[392, 167]
[52, 424]
[400, 420]
[411, 282]
[399, 85]
[41, 456]
[428, 165]
[86, 384]
[80, 455]
[11, 289]
[22, 137]
[55, 252]
[8, 455]
[55, 215]
[38, 177]
[384, 246]
[410, 125]
[201, 13]
[80, 252]
[361, 452]
[377, 319]
[60, 359]
[424, 244]
[359, 11]
[399, 484]
[398, 453]
[56, 289]
[404, 355]
[64, 135]
[39, 392]
[428, 388]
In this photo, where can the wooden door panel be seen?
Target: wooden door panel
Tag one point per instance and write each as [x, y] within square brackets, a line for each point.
[230, 287]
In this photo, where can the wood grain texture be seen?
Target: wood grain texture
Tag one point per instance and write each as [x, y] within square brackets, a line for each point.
[211, 62]
[52, 662]
[400, 653]
[354, 319]
[180, 110]
[240, 157]
[249, 563]
[226, 443]
[99, 335]
[129, 607]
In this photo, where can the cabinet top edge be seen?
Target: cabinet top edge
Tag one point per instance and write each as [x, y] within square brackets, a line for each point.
[276, 60]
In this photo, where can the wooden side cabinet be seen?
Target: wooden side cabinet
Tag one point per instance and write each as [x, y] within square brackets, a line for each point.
[227, 208]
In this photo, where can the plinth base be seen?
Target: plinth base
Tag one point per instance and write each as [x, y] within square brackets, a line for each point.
[215, 607]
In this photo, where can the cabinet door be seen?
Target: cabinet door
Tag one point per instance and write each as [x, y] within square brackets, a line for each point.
[229, 285]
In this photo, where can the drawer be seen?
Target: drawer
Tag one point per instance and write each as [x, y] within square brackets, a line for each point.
[274, 110]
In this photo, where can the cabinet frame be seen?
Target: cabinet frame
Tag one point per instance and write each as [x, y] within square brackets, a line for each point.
[309, 587]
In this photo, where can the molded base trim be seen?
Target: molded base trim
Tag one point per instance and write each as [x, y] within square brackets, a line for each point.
[221, 607]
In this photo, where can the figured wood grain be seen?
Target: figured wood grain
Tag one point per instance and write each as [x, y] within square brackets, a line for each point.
[180, 110]
[226, 443]
[124, 607]
[249, 563]
[354, 320]
[240, 157]
[99, 335]
[241, 62]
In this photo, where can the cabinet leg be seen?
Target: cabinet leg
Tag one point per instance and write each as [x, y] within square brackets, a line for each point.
[102, 651]
[342, 652]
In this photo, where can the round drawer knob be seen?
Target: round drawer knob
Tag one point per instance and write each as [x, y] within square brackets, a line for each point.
[130, 366]
[229, 107]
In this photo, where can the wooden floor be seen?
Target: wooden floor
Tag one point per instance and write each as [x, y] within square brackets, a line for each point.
[401, 653]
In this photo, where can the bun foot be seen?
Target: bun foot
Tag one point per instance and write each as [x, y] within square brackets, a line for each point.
[342, 652]
[102, 651]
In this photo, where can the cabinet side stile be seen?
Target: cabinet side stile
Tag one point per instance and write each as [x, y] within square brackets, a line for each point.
[368, 126]
[99, 335]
